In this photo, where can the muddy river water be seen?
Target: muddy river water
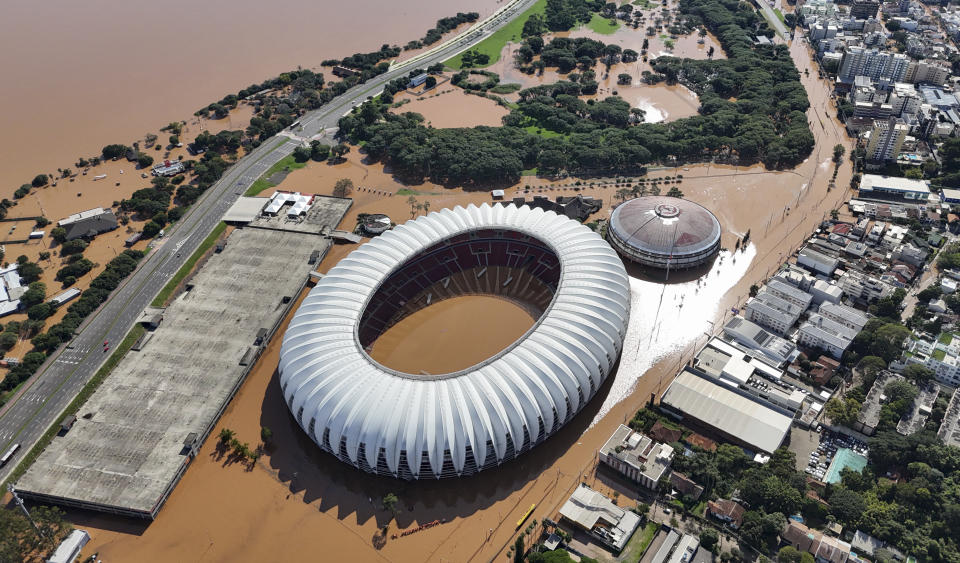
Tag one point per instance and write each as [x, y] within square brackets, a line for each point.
[80, 75]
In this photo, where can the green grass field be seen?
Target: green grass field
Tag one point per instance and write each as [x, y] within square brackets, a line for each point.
[602, 25]
[493, 45]
[779, 15]
[640, 542]
[171, 286]
[262, 183]
[545, 133]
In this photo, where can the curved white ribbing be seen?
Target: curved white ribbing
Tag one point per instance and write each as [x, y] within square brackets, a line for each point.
[564, 357]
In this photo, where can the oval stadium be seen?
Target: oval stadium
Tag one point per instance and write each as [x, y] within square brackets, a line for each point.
[664, 232]
[427, 426]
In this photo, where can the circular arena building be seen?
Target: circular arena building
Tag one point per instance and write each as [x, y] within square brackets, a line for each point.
[426, 426]
[664, 232]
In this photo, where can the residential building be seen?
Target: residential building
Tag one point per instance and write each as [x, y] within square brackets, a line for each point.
[753, 337]
[942, 357]
[886, 187]
[825, 549]
[589, 510]
[869, 416]
[862, 288]
[950, 427]
[818, 262]
[824, 334]
[685, 486]
[772, 312]
[89, 223]
[904, 100]
[863, 9]
[910, 254]
[886, 139]
[872, 63]
[637, 456]
[930, 72]
[789, 293]
[727, 510]
[854, 319]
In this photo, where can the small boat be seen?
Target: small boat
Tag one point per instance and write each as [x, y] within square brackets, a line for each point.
[100, 177]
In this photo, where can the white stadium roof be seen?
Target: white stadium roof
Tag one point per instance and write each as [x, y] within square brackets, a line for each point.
[428, 426]
[732, 413]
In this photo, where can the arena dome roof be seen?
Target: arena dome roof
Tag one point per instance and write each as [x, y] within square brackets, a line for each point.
[437, 425]
[652, 229]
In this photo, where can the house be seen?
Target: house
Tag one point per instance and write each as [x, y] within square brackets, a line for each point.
[89, 223]
[726, 510]
[661, 433]
[600, 517]
[824, 549]
[685, 486]
[636, 456]
[824, 369]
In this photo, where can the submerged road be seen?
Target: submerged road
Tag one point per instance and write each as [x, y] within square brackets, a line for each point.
[28, 415]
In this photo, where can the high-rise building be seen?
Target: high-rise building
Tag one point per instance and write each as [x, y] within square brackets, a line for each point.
[928, 72]
[874, 64]
[886, 138]
[863, 9]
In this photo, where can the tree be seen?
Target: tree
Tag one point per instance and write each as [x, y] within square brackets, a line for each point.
[674, 192]
[519, 550]
[843, 411]
[414, 205]
[265, 433]
[8, 340]
[431, 82]
[144, 160]
[226, 435]
[709, 538]
[174, 140]
[789, 554]
[838, 151]
[319, 151]
[754, 290]
[339, 150]
[624, 78]
[343, 187]
[149, 139]
[918, 373]
[301, 154]
[40, 180]
[847, 505]
[151, 229]
[389, 503]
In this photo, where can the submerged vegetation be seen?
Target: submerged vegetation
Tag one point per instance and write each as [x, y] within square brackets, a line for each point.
[765, 124]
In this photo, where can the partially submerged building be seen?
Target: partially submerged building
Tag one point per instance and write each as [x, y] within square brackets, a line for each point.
[89, 223]
[597, 515]
[728, 412]
[637, 456]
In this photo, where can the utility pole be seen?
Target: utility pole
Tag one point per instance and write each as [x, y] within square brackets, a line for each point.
[19, 502]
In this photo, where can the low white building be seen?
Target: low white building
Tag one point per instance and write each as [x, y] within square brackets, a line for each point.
[818, 262]
[824, 292]
[825, 334]
[637, 456]
[772, 312]
[854, 319]
[863, 288]
[942, 357]
[589, 510]
[753, 337]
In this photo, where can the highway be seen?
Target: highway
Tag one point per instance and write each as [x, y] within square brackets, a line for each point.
[28, 415]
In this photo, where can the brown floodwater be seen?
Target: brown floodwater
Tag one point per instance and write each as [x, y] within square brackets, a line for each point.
[80, 75]
[451, 335]
[450, 106]
[296, 487]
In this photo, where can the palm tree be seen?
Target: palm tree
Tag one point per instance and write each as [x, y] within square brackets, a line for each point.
[389, 502]
[226, 435]
[426, 207]
[412, 202]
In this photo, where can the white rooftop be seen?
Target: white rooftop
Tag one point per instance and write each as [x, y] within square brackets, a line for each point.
[587, 507]
[874, 181]
[80, 216]
[732, 413]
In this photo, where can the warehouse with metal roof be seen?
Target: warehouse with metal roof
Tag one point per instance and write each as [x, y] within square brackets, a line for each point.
[728, 412]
